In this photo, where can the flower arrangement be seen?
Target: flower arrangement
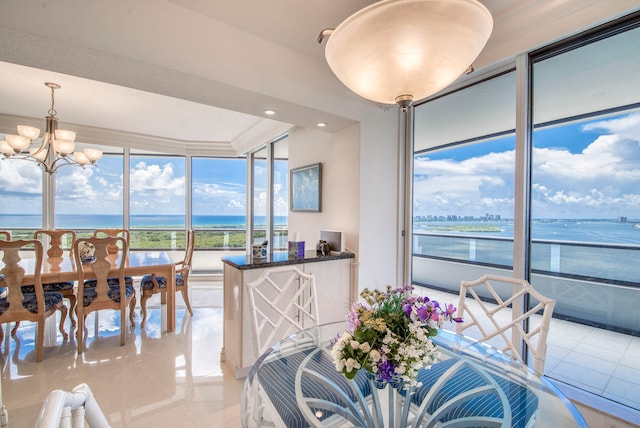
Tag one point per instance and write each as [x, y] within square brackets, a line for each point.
[389, 335]
[87, 250]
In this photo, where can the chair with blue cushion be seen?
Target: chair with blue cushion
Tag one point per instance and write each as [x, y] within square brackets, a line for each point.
[55, 252]
[113, 249]
[57, 240]
[18, 306]
[462, 394]
[154, 284]
[105, 294]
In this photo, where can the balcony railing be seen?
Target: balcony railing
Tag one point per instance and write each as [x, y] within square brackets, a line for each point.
[210, 246]
[593, 283]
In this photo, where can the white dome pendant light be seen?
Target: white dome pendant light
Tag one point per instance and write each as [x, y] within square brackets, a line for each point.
[398, 51]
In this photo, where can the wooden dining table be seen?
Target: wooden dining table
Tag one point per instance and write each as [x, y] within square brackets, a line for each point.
[61, 269]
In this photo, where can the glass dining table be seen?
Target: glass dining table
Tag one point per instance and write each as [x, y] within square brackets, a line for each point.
[62, 269]
[295, 384]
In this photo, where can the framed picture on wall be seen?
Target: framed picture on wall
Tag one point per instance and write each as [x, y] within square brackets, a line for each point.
[305, 188]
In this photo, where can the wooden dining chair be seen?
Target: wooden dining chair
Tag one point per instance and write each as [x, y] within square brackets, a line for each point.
[114, 248]
[105, 294]
[154, 284]
[19, 306]
[5, 235]
[56, 250]
[502, 324]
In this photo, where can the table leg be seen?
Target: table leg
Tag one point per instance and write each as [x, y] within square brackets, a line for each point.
[51, 329]
[171, 298]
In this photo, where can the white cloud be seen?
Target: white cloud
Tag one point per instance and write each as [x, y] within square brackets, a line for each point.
[20, 176]
[601, 181]
[219, 198]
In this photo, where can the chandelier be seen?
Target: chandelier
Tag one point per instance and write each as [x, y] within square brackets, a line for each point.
[398, 51]
[55, 147]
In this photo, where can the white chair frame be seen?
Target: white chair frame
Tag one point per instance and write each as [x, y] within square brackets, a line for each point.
[71, 409]
[520, 288]
[282, 317]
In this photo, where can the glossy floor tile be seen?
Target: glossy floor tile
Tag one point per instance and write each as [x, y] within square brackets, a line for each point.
[155, 380]
[176, 379]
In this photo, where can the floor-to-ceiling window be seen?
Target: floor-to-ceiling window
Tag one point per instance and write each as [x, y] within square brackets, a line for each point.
[280, 194]
[463, 185]
[581, 166]
[157, 208]
[91, 197]
[585, 203]
[268, 194]
[259, 196]
[21, 197]
[218, 208]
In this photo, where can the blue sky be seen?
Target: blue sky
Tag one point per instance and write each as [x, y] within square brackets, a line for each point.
[157, 186]
[582, 170]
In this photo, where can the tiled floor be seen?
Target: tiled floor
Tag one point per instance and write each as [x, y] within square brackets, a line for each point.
[155, 380]
[601, 362]
[177, 379]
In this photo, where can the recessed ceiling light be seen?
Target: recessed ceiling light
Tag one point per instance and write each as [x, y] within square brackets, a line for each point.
[321, 124]
[269, 112]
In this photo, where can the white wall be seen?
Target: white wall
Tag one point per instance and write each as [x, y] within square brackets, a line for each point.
[379, 199]
[339, 154]
[359, 192]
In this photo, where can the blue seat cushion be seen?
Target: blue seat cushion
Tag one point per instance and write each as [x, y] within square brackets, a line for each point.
[51, 287]
[277, 378]
[147, 284]
[128, 280]
[522, 401]
[90, 294]
[31, 304]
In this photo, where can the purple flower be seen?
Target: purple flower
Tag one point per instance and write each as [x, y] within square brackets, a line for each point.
[353, 321]
[407, 309]
[423, 313]
[450, 310]
[386, 371]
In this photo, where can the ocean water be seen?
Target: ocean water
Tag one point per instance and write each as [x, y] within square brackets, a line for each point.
[591, 231]
[94, 221]
[595, 231]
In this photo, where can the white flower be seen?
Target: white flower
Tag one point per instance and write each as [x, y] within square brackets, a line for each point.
[374, 355]
[352, 364]
[86, 249]
[355, 344]
[365, 347]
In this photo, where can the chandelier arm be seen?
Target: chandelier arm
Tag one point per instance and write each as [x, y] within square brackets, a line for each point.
[48, 155]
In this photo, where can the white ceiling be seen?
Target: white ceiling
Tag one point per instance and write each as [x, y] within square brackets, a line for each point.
[201, 72]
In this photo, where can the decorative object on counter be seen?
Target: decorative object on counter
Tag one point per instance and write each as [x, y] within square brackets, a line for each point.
[296, 249]
[335, 238]
[323, 248]
[389, 335]
[259, 251]
[87, 251]
[306, 188]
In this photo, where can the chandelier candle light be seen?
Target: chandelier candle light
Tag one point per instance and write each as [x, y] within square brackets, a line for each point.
[53, 150]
